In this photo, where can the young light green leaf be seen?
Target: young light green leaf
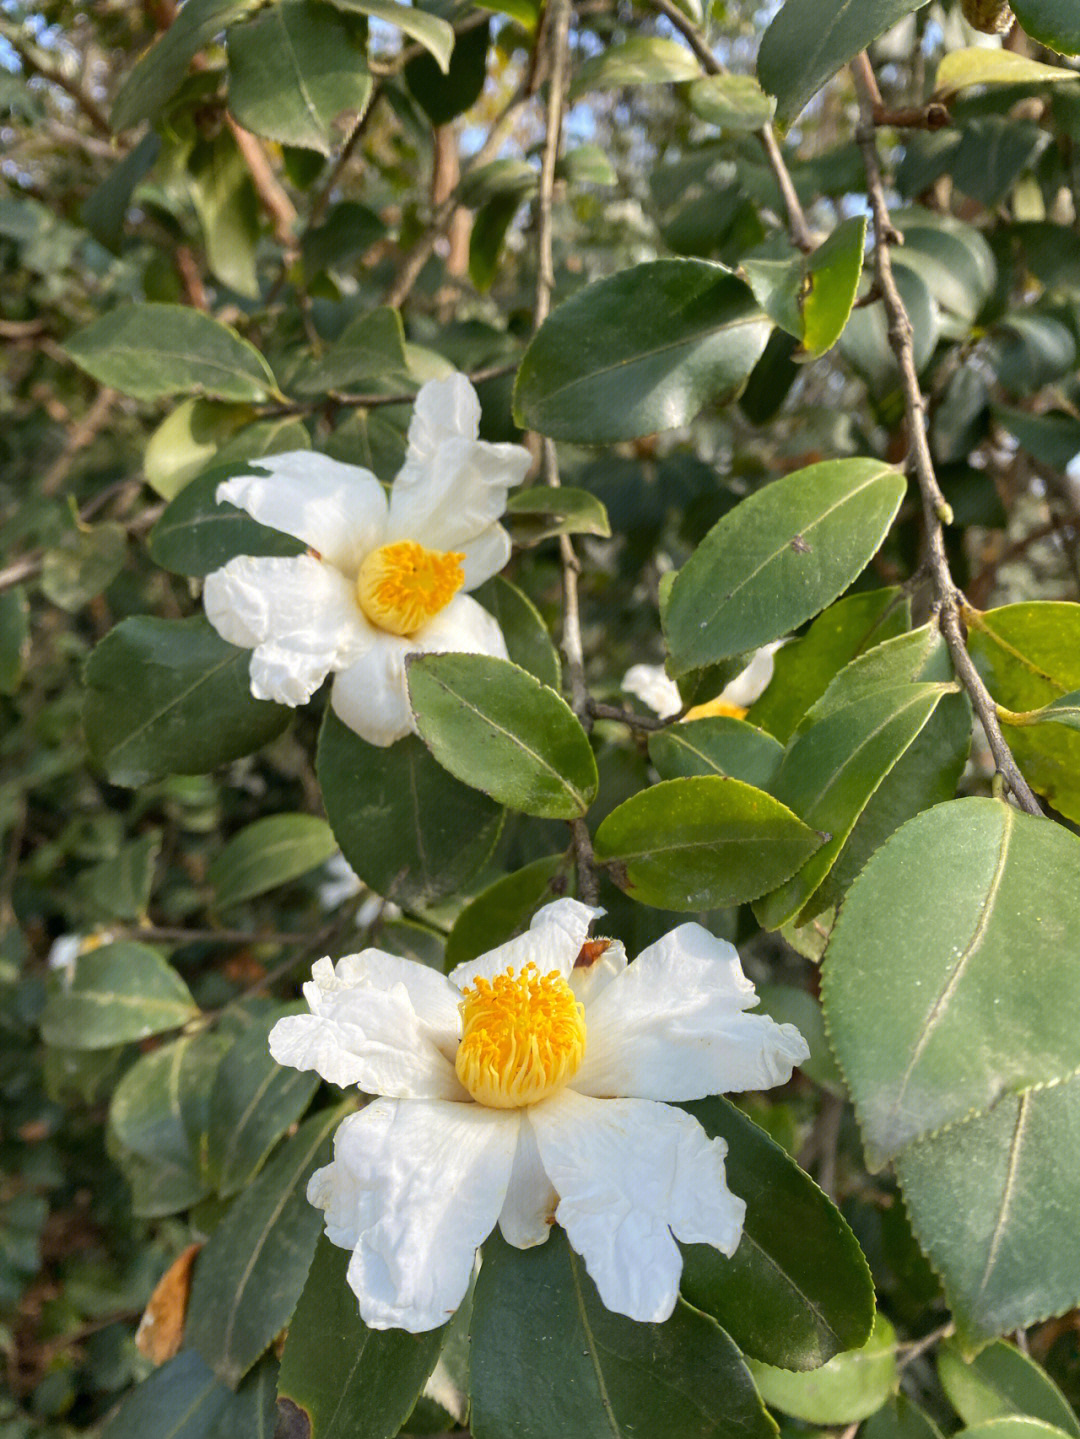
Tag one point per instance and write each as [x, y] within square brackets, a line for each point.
[641, 60]
[960, 69]
[1001, 1381]
[731, 102]
[849, 1388]
[119, 993]
[432, 31]
[188, 441]
[270, 851]
[542, 511]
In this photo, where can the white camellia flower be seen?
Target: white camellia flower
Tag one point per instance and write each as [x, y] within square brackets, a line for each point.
[382, 579]
[525, 1089]
[653, 686]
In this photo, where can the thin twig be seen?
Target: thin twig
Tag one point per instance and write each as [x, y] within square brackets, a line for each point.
[627, 717]
[83, 433]
[936, 511]
[272, 196]
[905, 1353]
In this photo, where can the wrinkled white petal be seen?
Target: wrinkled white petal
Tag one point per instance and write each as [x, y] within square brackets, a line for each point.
[652, 685]
[451, 495]
[529, 1209]
[297, 614]
[444, 410]
[671, 1026]
[752, 682]
[383, 1023]
[485, 556]
[339, 510]
[630, 1174]
[552, 942]
[414, 1189]
[463, 627]
[591, 977]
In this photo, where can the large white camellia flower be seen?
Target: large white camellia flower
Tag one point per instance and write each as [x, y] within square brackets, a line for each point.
[528, 1089]
[381, 579]
[653, 686]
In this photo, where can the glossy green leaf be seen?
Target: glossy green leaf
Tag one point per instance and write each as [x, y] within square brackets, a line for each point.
[489, 230]
[981, 65]
[811, 296]
[731, 102]
[640, 351]
[505, 908]
[994, 153]
[539, 512]
[797, 1291]
[252, 1269]
[368, 355]
[154, 351]
[778, 558]
[496, 728]
[159, 72]
[1001, 1381]
[808, 41]
[1029, 656]
[254, 1102]
[830, 773]
[718, 745]
[918, 655]
[701, 843]
[865, 342]
[849, 1388]
[445, 91]
[14, 638]
[270, 851]
[293, 70]
[988, 1198]
[953, 259]
[408, 828]
[641, 60]
[83, 564]
[528, 642]
[227, 205]
[432, 31]
[196, 534]
[181, 1400]
[341, 1378]
[190, 710]
[937, 998]
[547, 1358]
[147, 1119]
[1053, 23]
[118, 993]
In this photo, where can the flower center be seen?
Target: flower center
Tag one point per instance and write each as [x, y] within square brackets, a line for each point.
[402, 586]
[716, 707]
[523, 1037]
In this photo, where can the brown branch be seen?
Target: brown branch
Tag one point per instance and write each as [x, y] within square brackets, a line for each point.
[936, 511]
[28, 566]
[272, 197]
[648, 723]
[915, 117]
[34, 62]
[83, 433]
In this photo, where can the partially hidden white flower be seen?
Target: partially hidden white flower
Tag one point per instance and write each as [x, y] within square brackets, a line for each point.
[527, 1089]
[381, 579]
[652, 685]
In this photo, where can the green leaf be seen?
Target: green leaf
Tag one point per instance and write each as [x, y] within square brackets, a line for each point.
[445, 91]
[267, 853]
[407, 828]
[1029, 656]
[1065, 710]
[492, 221]
[348, 1381]
[154, 351]
[900, 1419]
[14, 638]
[158, 74]
[146, 1117]
[937, 998]
[196, 534]
[1053, 437]
[960, 69]
[118, 993]
[369, 354]
[641, 60]
[640, 351]
[83, 564]
[790, 1005]
[224, 197]
[865, 342]
[1013, 1426]
[1053, 23]
[188, 710]
[119, 887]
[496, 728]
[253, 1267]
[701, 843]
[432, 31]
[349, 231]
[989, 1199]
[293, 70]
[541, 511]
[106, 207]
[547, 1358]
[528, 642]
[586, 165]
[779, 557]
[830, 773]
[849, 1388]
[1033, 350]
[719, 745]
[811, 296]
[953, 259]
[994, 153]
[254, 1101]
[181, 1400]
[732, 102]
[504, 909]
[188, 441]
[808, 41]
[1002, 1381]
[797, 1291]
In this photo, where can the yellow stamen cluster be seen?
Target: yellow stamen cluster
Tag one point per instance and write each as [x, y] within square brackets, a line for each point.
[402, 586]
[523, 1038]
[712, 708]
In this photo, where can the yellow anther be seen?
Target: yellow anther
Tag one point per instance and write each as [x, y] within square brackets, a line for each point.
[402, 586]
[716, 707]
[523, 1038]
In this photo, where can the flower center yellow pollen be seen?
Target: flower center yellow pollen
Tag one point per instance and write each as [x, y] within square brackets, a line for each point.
[523, 1038]
[717, 708]
[402, 586]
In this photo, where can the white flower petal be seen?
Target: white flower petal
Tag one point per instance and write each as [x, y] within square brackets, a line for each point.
[485, 555]
[671, 1026]
[631, 1173]
[443, 410]
[591, 977]
[552, 942]
[299, 616]
[387, 1024]
[415, 1188]
[529, 1210]
[340, 510]
[451, 495]
[654, 687]
[752, 682]
[463, 627]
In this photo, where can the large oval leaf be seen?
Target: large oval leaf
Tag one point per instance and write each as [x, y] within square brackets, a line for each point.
[779, 557]
[944, 986]
[717, 744]
[196, 535]
[848, 1388]
[640, 351]
[1054, 23]
[118, 993]
[269, 852]
[700, 843]
[1001, 1381]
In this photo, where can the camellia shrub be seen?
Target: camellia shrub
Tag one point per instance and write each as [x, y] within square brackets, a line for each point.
[540, 680]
